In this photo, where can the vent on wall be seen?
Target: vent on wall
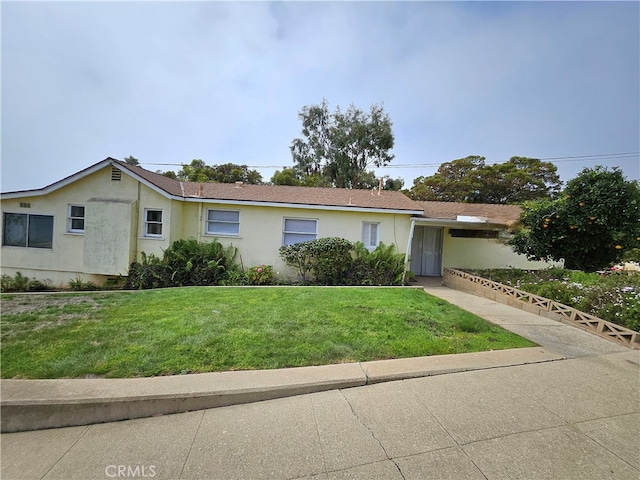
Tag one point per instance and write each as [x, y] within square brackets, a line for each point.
[25, 205]
[116, 175]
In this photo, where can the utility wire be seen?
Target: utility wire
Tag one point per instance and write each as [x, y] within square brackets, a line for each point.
[573, 158]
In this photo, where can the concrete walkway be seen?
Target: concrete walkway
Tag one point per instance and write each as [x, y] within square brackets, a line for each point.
[539, 416]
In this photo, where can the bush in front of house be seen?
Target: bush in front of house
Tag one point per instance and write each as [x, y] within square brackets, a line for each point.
[336, 261]
[325, 259]
[20, 283]
[184, 263]
[382, 266]
[262, 275]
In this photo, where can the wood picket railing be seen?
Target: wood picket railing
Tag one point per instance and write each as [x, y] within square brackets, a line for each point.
[513, 297]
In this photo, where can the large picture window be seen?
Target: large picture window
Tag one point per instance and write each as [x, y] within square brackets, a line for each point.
[223, 222]
[152, 223]
[298, 230]
[75, 219]
[27, 230]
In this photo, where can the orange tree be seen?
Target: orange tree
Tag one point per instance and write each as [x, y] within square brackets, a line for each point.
[590, 226]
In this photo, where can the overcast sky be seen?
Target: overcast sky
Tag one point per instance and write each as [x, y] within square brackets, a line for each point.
[168, 82]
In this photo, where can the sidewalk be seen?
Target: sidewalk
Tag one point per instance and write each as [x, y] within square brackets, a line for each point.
[572, 418]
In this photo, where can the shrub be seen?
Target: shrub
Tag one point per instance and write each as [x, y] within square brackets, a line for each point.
[185, 263]
[20, 283]
[632, 255]
[336, 261]
[79, 285]
[382, 266]
[262, 275]
[327, 259]
[6, 283]
[36, 285]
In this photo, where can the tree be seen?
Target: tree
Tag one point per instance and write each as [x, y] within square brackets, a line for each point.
[455, 181]
[341, 146]
[590, 226]
[288, 176]
[131, 160]
[470, 180]
[198, 171]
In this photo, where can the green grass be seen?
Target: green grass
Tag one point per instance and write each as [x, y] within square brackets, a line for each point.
[203, 329]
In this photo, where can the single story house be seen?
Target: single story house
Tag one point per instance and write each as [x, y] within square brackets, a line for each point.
[94, 223]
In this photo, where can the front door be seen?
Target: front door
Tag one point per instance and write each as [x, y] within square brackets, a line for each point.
[426, 251]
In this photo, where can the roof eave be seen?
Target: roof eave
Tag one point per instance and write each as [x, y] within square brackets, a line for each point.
[445, 222]
[60, 183]
[306, 206]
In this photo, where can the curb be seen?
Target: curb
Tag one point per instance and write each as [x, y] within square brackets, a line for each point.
[41, 404]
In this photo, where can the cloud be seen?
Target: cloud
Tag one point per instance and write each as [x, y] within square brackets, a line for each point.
[170, 81]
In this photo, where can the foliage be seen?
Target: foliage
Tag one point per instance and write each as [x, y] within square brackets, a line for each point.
[382, 266]
[591, 226]
[470, 180]
[199, 329]
[20, 283]
[327, 259]
[198, 171]
[631, 255]
[337, 148]
[78, 284]
[610, 295]
[336, 261]
[286, 176]
[184, 263]
[262, 275]
[131, 160]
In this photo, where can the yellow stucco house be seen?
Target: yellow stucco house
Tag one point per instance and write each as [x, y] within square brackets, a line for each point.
[94, 223]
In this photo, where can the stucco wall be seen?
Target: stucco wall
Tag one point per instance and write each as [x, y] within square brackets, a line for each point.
[91, 253]
[470, 253]
[261, 236]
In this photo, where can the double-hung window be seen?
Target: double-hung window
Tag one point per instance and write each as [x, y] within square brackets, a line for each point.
[370, 235]
[152, 223]
[27, 230]
[298, 230]
[75, 219]
[223, 222]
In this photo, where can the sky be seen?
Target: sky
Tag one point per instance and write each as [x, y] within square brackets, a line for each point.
[168, 82]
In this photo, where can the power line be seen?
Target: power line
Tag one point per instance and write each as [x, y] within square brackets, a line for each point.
[573, 158]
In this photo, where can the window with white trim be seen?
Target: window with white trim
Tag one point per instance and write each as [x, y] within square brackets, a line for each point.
[152, 223]
[27, 230]
[371, 235]
[75, 219]
[296, 230]
[223, 222]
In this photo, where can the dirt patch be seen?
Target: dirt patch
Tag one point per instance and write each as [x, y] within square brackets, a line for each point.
[33, 303]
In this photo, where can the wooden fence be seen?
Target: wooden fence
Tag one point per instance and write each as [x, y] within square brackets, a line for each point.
[529, 302]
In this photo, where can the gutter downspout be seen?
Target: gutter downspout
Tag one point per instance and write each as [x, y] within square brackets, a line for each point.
[408, 253]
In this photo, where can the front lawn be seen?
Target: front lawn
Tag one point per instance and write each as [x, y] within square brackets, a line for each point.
[612, 296]
[204, 329]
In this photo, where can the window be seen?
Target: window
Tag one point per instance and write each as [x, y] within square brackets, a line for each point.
[370, 235]
[468, 233]
[75, 219]
[223, 222]
[298, 230]
[152, 223]
[25, 230]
